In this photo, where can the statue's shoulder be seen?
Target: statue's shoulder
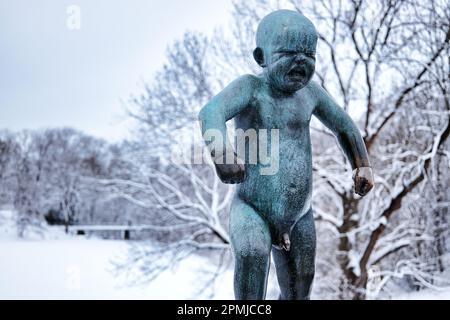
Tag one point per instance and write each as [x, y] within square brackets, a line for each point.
[251, 81]
[246, 87]
[316, 92]
[246, 84]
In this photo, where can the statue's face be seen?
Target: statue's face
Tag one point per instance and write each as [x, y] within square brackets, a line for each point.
[290, 63]
[286, 46]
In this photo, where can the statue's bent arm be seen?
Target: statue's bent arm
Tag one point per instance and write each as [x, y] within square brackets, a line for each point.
[343, 127]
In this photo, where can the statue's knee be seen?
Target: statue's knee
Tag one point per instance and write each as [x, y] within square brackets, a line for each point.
[252, 253]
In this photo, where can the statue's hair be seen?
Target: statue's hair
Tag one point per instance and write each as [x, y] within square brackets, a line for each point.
[280, 21]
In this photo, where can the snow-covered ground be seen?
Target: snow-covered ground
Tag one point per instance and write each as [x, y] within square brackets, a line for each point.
[427, 294]
[80, 269]
[67, 267]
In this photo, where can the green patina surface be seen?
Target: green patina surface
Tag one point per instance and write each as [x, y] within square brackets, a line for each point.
[272, 213]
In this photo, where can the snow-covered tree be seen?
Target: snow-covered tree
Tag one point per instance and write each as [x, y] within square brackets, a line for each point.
[44, 174]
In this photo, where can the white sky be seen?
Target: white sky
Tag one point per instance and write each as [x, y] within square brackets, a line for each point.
[52, 76]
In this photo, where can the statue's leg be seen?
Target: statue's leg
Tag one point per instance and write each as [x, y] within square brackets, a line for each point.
[295, 268]
[251, 244]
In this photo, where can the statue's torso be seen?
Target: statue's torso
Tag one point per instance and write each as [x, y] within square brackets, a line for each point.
[282, 198]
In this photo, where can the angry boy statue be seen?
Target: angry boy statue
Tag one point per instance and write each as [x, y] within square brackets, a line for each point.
[272, 213]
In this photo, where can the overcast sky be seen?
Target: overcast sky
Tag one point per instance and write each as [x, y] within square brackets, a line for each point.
[53, 76]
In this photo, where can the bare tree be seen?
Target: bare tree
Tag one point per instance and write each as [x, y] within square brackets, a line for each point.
[42, 175]
[186, 204]
[8, 148]
[407, 42]
[387, 61]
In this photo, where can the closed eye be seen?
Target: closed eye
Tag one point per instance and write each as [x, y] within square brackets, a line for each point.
[310, 54]
[285, 53]
[288, 51]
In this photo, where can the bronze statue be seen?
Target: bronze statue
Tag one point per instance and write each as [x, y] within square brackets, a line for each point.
[272, 213]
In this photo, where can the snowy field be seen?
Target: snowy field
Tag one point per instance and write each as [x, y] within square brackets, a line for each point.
[64, 267]
[80, 269]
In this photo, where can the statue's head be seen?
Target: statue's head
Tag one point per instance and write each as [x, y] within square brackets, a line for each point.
[286, 46]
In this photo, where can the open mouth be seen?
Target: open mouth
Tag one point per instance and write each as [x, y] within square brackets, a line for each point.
[297, 73]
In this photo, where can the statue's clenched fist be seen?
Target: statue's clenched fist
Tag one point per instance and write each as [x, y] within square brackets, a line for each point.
[363, 179]
[230, 171]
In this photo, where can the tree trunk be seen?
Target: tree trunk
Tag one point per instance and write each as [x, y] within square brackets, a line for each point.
[347, 285]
